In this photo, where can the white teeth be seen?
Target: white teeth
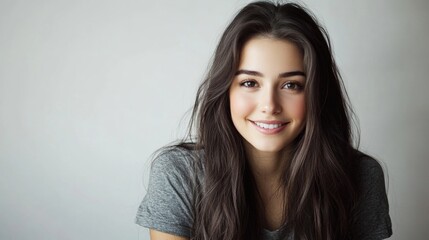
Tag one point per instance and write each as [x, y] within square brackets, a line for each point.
[268, 126]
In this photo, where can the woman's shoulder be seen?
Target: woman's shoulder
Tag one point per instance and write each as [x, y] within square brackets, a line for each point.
[168, 205]
[184, 159]
[366, 165]
[371, 214]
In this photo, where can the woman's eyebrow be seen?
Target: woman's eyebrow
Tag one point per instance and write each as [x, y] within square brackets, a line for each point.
[249, 72]
[290, 74]
[258, 74]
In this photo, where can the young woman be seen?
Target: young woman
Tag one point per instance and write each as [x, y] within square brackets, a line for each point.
[273, 154]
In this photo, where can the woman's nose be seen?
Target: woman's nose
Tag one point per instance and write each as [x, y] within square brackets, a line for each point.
[270, 103]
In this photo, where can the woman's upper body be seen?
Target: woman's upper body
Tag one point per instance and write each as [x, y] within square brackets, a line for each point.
[177, 176]
[278, 161]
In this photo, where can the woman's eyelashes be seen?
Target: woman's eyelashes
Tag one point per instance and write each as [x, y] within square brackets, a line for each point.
[290, 85]
[248, 83]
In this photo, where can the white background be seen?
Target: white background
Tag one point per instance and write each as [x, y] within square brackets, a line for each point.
[90, 88]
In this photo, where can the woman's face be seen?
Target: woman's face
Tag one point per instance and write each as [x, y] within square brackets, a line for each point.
[267, 99]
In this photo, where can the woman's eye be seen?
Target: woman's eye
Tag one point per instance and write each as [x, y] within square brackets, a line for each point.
[293, 86]
[248, 84]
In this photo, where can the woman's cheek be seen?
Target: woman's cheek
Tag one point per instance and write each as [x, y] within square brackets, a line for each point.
[241, 104]
[297, 108]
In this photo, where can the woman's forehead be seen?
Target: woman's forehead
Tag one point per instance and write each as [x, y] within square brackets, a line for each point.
[266, 54]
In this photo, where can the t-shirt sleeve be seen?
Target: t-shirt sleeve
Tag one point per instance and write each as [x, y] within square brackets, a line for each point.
[371, 217]
[167, 205]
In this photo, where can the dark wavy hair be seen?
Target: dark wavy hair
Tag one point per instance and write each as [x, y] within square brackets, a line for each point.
[318, 182]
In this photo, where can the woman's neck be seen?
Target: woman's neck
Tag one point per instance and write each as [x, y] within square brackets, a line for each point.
[267, 167]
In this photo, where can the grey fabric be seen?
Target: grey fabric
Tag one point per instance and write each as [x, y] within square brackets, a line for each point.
[371, 215]
[176, 178]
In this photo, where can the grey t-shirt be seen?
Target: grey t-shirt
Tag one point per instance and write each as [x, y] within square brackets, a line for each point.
[176, 177]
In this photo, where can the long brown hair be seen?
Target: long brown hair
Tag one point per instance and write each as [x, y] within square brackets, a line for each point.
[318, 180]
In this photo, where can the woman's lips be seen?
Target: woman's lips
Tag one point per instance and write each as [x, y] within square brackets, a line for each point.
[269, 127]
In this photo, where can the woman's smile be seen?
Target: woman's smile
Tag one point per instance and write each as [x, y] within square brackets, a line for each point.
[269, 127]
